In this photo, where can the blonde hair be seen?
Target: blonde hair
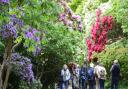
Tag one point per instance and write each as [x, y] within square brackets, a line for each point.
[115, 61]
[65, 66]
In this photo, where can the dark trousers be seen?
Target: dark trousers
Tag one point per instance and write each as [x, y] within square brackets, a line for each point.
[91, 84]
[101, 82]
[84, 86]
[65, 84]
[114, 83]
[61, 85]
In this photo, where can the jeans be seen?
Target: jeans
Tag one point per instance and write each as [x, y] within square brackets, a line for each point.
[101, 82]
[114, 83]
[84, 84]
[91, 84]
[61, 85]
[65, 84]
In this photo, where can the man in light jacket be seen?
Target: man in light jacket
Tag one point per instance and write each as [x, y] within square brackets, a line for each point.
[65, 73]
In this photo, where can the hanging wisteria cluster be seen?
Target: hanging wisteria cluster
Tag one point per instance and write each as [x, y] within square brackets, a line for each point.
[4, 1]
[34, 34]
[9, 30]
[70, 19]
[99, 32]
[24, 67]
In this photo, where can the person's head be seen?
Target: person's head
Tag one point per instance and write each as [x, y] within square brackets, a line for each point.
[95, 59]
[115, 61]
[65, 66]
[91, 65]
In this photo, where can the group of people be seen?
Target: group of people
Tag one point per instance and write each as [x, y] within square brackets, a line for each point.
[92, 76]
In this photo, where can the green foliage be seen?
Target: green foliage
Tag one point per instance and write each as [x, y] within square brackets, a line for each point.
[59, 45]
[117, 50]
[16, 82]
[23, 85]
[1, 47]
[119, 9]
[35, 85]
[62, 46]
[75, 3]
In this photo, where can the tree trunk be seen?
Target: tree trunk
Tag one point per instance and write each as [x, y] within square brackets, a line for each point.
[5, 65]
[6, 78]
[0, 78]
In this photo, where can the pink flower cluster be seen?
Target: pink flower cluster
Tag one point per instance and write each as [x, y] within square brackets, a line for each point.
[69, 18]
[99, 32]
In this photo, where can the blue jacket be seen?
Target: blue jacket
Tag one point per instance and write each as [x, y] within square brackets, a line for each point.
[115, 71]
[83, 73]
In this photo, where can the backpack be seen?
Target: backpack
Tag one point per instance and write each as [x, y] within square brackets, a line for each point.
[75, 82]
[102, 73]
[83, 73]
[90, 74]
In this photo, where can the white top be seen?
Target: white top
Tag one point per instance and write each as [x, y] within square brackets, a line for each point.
[66, 74]
[97, 70]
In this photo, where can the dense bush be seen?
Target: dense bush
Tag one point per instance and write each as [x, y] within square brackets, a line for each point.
[117, 50]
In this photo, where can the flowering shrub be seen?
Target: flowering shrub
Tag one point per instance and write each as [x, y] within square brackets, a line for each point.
[24, 67]
[10, 29]
[69, 18]
[4, 1]
[99, 31]
[34, 34]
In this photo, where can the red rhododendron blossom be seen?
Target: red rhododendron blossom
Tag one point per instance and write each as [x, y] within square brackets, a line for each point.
[97, 25]
[99, 32]
[98, 12]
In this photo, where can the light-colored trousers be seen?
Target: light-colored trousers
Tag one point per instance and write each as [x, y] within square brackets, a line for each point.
[97, 84]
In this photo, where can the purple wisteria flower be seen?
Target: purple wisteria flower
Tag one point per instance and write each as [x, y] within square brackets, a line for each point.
[9, 30]
[37, 39]
[24, 67]
[29, 35]
[4, 1]
[62, 16]
[37, 51]
[70, 19]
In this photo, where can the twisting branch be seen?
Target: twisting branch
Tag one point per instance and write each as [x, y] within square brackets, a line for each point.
[16, 45]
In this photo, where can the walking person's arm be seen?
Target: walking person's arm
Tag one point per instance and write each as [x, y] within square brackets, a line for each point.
[111, 68]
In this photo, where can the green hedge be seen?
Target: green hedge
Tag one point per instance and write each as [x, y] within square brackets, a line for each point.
[117, 50]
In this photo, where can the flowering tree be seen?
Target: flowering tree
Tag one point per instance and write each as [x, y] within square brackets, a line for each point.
[24, 23]
[99, 31]
[13, 31]
[70, 19]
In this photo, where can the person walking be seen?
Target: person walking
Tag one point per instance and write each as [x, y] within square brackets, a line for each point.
[83, 76]
[96, 74]
[91, 77]
[65, 73]
[115, 72]
[101, 73]
[75, 77]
